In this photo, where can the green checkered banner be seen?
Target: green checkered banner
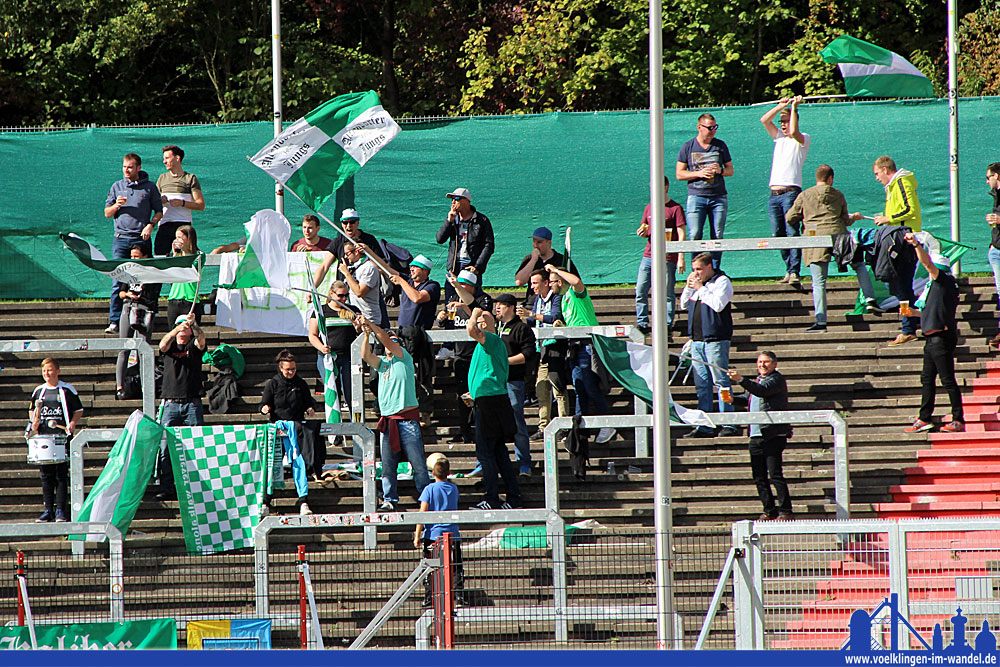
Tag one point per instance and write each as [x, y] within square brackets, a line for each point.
[221, 473]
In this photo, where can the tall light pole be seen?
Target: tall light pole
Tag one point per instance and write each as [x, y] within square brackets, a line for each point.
[279, 193]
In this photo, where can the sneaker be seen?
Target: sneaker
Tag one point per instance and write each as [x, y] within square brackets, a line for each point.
[605, 435]
[901, 339]
[952, 427]
[304, 509]
[793, 279]
[785, 516]
[265, 510]
[766, 517]
[729, 431]
[785, 279]
[46, 517]
[871, 305]
[482, 505]
[112, 328]
[61, 516]
[506, 506]
[995, 342]
[537, 436]
[524, 472]
[387, 506]
[531, 402]
[476, 472]
[817, 328]
[645, 329]
[702, 433]
[444, 354]
[918, 426]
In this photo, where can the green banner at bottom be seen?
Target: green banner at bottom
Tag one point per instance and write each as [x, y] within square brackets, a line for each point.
[160, 633]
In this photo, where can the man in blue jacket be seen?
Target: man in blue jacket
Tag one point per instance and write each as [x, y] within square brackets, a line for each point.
[767, 441]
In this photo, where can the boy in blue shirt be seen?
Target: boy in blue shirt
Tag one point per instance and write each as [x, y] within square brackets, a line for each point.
[440, 496]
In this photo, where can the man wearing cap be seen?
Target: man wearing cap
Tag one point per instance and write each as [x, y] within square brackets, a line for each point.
[937, 323]
[350, 221]
[520, 342]
[422, 294]
[469, 235]
[311, 241]
[181, 350]
[790, 149]
[362, 277]
[540, 255]
[456, 315]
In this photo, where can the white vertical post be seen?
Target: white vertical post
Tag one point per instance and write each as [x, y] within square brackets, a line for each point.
[279, 193]
[956, 232]
[662, 509]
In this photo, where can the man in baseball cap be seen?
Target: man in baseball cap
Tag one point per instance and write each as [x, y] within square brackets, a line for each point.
[540, 255]
[421, 294]
[469, 235]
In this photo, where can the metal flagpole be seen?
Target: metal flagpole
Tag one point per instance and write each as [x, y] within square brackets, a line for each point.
[808, 97]
[956, 233]
[662, 509]
[279, 191]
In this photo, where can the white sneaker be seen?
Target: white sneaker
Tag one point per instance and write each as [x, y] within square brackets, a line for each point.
[264, 511]
[605, 435]
[304, 510]
[444, 354]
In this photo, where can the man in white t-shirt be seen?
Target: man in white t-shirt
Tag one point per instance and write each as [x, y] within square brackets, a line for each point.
[362, 276]
[790, 149]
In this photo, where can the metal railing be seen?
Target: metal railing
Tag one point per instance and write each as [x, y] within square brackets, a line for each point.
[764, 243]
[543, 333]
[85, 344]
[799, 582]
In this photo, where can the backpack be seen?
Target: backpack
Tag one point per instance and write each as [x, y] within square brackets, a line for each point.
[398, 258]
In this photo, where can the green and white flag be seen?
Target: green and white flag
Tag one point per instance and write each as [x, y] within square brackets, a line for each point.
[118, 491]
[331, 399]
[221, 473]
[871, 71]
[181, 269]
[632, 365]
[264, 262]
[317, 153]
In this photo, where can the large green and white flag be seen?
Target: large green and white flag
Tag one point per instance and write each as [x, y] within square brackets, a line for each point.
[331, 399]
[118, 491]
[264, 262]
[317, 153]
[221, 473]
[632, 365]
[871, 71]
[180, 269]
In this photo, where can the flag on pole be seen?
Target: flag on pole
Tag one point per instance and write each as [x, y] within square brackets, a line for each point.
[317, 153]
[118, 491]
[871, 71]
[264, 262]
[331, 399]
[180, 269]
[632, 365]
[221, 473]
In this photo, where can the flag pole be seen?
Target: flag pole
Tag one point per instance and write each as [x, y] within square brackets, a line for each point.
[810, 97]
[201, 270]
[699, 361]
[956, 231]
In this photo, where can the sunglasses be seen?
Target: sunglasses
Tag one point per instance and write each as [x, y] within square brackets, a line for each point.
[348, 222]
[711, 128]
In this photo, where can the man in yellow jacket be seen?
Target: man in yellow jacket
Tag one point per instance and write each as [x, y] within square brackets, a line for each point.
[902, 207]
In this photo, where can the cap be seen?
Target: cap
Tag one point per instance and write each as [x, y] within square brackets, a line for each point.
[459, 192]
[543, 233]
[505, 298]
[468, 277]
[179, 319]
[350, 214]
[940, 261]
[422, 262]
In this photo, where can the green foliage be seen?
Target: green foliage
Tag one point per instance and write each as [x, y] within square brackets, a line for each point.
[979, 61]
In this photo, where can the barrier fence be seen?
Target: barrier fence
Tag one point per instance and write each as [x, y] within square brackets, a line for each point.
[797, 584]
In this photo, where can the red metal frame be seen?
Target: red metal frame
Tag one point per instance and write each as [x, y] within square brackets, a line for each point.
[17, 582]
[448, 597]
[303, 602]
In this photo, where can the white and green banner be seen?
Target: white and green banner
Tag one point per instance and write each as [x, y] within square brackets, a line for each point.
[331, 398]
[220, 473]
[119, 489]
[160, 633]
[317, 153]
[181, 269]
[871, 71]
[632, 365]
[264, 263]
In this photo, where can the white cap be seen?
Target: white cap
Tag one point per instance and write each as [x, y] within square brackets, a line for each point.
[459, 192]
[350, 214]
[468, 277]
[422, 262]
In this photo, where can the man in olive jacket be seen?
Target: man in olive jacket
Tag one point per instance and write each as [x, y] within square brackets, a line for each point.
[769, 392]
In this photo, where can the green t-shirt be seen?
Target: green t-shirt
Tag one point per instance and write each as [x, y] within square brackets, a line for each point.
[488, 368]
[183, 291]
[578, 310]
[397, 389]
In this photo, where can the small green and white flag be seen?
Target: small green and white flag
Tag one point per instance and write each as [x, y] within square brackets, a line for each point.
[317, 153]
[118, 491]
[221, 473]
[632, 365]
[871, 71]
[331, 399]
[264, 262]
[180, 269]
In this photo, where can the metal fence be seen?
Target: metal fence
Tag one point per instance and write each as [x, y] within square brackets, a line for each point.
[803, 580]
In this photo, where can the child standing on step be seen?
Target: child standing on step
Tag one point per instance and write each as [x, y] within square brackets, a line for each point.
[55, 410]
[440, 496]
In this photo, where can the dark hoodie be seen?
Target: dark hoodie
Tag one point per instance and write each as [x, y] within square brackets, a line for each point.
[288, 399]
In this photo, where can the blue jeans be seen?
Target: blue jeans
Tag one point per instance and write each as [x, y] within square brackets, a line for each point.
[902, 289]
[119, 250]
[706, 378]
[644, 282]
[819, 272]
[412, 444]
[714, 208]
[777, 207]
[522, 447]
[589, 398]
[994, 256]
[176, 414]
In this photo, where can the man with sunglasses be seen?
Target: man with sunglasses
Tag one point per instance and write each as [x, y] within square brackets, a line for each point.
[790, 149]
[704, 162]
[350, 221]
